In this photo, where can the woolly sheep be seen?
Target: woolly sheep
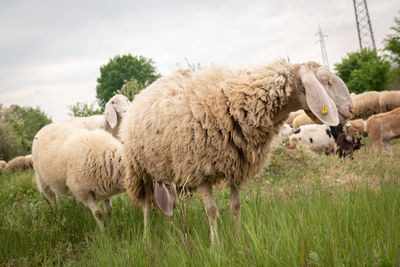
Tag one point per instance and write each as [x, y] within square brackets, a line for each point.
[366, 104]
[315, 137]
[293, 115]
[300, 120]
[217, 124]
[78, 162]
[381, 128]
[389, 100]
[20, 162]
[2, 165]
[109, 121]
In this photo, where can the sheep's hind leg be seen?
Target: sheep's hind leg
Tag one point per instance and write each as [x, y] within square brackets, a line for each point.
[236, 207]
[146, 207]
[89, 201]
[47, 192]
[205, 191]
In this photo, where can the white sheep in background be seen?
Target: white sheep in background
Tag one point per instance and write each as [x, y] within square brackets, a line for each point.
[389, 100]
[300, 120]
[283, 135]
[293, 115]
[86, 164]
[217, 124]
[20, 162]
[109, 121]
[315, 137]
[2, 165]
[366, 104]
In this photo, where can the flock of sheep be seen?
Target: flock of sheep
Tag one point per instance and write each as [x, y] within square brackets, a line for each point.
[384, 125]
[187, 131]
[20, 162]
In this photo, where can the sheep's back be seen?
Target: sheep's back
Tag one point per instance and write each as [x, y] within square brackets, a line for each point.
[179, 129]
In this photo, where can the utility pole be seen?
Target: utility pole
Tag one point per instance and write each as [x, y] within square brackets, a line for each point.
[364, 27]
[321, 41]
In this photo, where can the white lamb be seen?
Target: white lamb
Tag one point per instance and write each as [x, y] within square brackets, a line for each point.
[79, 162]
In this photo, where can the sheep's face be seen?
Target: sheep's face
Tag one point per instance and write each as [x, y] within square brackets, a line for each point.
[337, 91]
[115, 108]
[326, 95]
[120, 103]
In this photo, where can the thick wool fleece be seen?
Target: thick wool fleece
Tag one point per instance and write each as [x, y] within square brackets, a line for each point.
[212, 124]
[20, 162]
[78, 161]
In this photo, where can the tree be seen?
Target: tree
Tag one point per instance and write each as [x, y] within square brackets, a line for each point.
[120, 69]
[392, 43]
[364, 71]
[84, 110]
[392, 46]
[18, 127]
[131, 88]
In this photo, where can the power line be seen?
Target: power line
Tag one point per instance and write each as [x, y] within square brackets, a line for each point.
[321, 41]
[364, 27]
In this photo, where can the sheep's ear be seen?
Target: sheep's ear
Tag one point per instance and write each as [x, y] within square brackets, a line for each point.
[163, 199]
[111, 115]
[318, 100]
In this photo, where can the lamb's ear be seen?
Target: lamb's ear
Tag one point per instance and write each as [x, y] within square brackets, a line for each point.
[163, 198]
[111, 115]
[318, 99]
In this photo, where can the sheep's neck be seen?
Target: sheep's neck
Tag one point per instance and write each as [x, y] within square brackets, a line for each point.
[259, 111]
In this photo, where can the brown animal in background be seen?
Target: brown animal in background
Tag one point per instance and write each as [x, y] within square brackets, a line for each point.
[381, 127]
[346, 145]
[20, 162]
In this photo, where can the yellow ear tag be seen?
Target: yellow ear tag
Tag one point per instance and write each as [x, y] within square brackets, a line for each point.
[324, 110]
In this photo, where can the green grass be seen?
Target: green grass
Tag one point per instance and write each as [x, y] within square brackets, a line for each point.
[302, 210]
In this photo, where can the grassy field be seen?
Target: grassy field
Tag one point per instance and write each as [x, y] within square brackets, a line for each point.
[302, 210]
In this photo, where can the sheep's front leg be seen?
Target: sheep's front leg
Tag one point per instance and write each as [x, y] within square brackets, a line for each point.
[235, 206]
[205, 191]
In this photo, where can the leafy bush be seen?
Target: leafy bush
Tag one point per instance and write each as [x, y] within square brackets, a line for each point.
[18, 127]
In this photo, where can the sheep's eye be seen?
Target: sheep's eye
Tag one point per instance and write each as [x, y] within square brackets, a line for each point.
[112, 102]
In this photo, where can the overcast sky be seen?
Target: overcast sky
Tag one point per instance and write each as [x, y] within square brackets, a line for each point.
[51, 51]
